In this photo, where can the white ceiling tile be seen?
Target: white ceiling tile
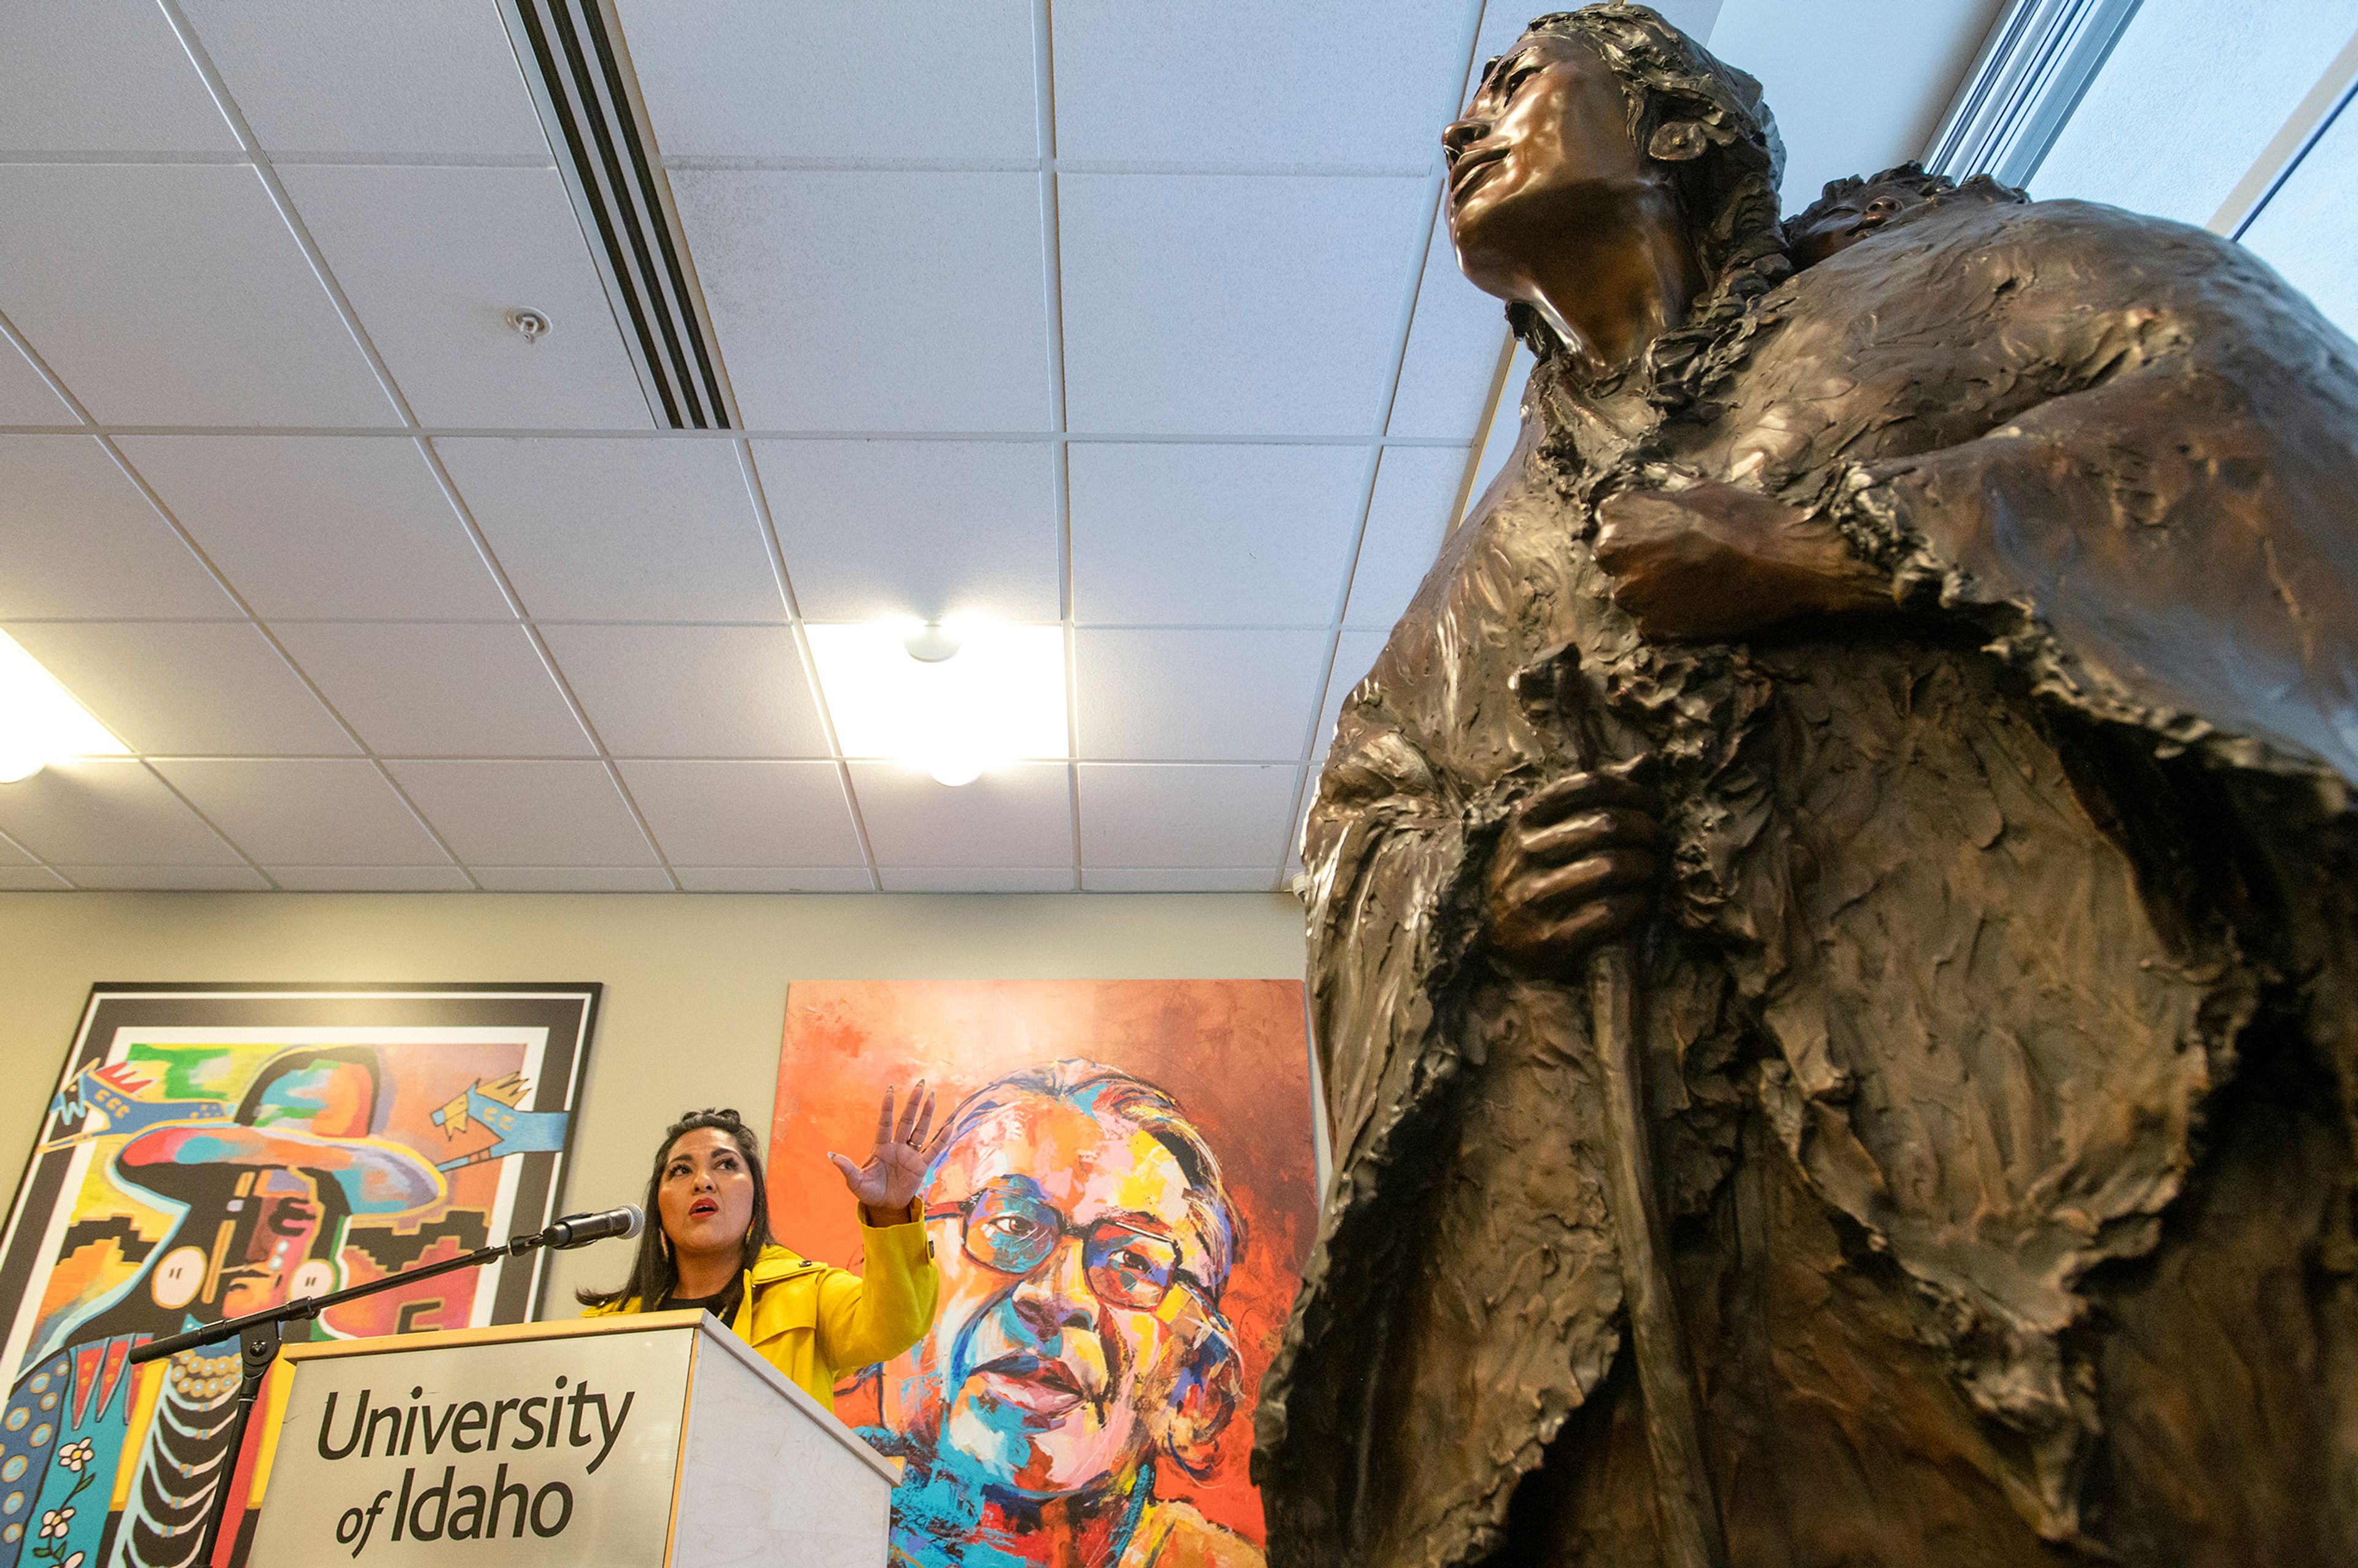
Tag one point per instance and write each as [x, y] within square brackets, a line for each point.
[438, 690]
[1856, 85]
[1212, 696]
[25, 397]
[201, 688]
[107, 811]
[1454, 343]
[874, 301]
[1236, 304]
[619, 530]
[496, 814]
[103, 76]
[871, 529]
[32, 878]
[81, 540]
[1177, 879]
[1020, 815]
[884, 79]
[167, 879]
[1503, 22]
[1184, 534]
[433, 259]
[173, 294]
[425, 78]
[315, 813]
[1355, 654]
[746, 813]
[323, 526]
[1144, 814]
[691, 691]
[773, 879]
[1361, 84]
[976, 879]
[444, 878]
[1407, 519]
[573, 878]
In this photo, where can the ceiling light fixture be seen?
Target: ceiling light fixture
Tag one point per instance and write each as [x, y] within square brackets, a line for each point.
[40, 723]
[954, 698]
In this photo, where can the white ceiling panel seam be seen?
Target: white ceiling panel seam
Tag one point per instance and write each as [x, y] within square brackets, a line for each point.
[759, 493]
[172, 520]
[1060, 477]
[284, 203]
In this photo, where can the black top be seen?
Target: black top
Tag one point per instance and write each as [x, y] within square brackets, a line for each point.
[722, 1305]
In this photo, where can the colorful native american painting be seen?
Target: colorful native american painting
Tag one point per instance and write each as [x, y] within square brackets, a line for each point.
[1120, 1197]
[214, 1150]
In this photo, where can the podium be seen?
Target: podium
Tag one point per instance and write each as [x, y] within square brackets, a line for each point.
[654, 1440]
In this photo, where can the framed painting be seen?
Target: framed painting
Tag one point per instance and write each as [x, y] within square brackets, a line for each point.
[1119, 1198]
[213, 1150]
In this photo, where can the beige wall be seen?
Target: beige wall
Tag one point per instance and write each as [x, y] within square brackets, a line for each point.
[695, 983]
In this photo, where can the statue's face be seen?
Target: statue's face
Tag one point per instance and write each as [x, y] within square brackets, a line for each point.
[1547, 140]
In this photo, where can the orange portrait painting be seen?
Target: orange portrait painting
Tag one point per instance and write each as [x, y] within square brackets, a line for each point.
[1119, 1196]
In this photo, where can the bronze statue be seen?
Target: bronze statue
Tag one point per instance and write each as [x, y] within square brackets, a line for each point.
[1898, 704]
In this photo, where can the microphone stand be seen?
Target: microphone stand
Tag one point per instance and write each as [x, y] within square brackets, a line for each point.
[258, 1334]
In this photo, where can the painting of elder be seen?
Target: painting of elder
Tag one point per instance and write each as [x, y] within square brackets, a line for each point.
[1118, 1202]
[1086, 1238]
[1917, 650]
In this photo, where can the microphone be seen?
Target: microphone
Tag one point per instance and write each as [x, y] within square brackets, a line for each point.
[581, 1229]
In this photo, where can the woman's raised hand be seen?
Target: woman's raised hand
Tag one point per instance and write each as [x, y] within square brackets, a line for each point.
[895, 1169]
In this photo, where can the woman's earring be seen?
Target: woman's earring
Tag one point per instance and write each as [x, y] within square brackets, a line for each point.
[663, 1240]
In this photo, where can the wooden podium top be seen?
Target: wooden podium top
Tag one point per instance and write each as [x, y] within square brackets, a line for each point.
[647, 1440]
[714, 1332]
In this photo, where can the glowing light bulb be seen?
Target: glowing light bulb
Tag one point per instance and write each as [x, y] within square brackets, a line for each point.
[954, 701]
[40, 723]
[956, 770]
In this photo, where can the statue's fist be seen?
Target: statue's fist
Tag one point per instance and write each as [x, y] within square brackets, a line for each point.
[1577, 866]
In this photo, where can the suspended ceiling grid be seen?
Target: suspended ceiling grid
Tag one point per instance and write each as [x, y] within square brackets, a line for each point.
[1134, 323]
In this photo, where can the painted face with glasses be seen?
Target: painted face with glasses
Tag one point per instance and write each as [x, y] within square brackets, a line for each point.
[1072, 1271]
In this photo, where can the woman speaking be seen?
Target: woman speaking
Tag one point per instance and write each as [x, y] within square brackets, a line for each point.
[710, 1247]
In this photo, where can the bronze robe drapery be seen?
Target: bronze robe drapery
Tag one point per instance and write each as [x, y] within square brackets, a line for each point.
[1998, 1025]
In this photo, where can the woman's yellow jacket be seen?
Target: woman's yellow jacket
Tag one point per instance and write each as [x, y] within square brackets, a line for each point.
[813, 1322]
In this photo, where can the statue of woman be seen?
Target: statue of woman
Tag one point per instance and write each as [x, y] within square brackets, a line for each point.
[1940, 664]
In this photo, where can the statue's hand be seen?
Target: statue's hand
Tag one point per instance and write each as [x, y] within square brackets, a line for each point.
[1577, 866]
[1716, 561]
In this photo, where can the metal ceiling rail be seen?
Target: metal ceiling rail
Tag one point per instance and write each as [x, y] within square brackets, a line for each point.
[2310, 120]
[2031, 72]
[572, 55]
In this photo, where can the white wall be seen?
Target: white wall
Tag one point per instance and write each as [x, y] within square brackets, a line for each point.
[1856, 85]
[695, 983]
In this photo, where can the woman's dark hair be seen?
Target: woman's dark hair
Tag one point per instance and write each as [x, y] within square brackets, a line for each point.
[654, 1271]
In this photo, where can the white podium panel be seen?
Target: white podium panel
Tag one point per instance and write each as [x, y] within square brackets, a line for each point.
[658, 1441]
